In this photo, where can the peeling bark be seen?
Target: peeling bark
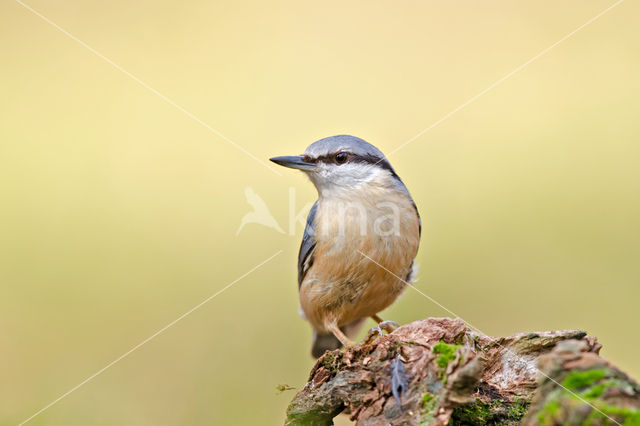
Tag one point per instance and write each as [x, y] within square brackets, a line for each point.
[438, 372]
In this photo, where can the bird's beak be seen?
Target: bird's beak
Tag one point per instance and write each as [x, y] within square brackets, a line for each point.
[294, 162]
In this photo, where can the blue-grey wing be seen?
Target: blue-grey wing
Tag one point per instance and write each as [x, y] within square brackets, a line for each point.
[404, 189]
[401, 185]
[305, 256]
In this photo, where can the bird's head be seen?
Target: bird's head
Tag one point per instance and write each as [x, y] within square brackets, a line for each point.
[340, 163]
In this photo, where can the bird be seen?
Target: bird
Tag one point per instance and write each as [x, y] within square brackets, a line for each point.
[260, 213]
[360, 240]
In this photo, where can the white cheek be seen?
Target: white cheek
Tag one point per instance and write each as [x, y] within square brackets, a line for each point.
[347, 176]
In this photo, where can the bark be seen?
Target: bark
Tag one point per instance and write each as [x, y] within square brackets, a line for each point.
[437, 372]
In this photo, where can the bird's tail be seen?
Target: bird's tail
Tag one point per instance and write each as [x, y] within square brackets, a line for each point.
[329, 342]
[322, 343]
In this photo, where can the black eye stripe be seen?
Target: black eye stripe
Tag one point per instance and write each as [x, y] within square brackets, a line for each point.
[354, 158]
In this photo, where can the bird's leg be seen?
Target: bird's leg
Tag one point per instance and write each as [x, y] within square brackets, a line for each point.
[387, 326]
[372, 335]
[346, 342]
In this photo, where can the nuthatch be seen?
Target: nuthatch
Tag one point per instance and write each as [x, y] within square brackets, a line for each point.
[361, 237]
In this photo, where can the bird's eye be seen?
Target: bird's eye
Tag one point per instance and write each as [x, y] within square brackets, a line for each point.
[341, 157]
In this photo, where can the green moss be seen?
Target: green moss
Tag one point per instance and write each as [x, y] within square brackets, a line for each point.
[331, 362]
[595, 391]
[518, 409]
[429, 405]
[562, 405]
[446, 352]
[548, 412]
[606, 412]
[502, 412]
[582, 379]
[428, 400]
[633, 419]
[311, 417]
[471, 414]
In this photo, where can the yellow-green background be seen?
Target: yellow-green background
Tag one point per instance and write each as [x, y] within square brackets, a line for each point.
[118, 212]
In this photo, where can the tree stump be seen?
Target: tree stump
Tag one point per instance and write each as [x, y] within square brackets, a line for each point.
[437, 371]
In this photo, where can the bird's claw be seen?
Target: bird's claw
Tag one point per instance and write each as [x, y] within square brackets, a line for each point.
[372, 335]
[388, 326]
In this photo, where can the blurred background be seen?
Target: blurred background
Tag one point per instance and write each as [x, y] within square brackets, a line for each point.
[119, 212]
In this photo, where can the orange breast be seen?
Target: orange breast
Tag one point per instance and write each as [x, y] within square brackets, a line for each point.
[343, 285]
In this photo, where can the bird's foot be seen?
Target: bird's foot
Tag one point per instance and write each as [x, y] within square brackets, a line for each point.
[372, 335]
[388, 326]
